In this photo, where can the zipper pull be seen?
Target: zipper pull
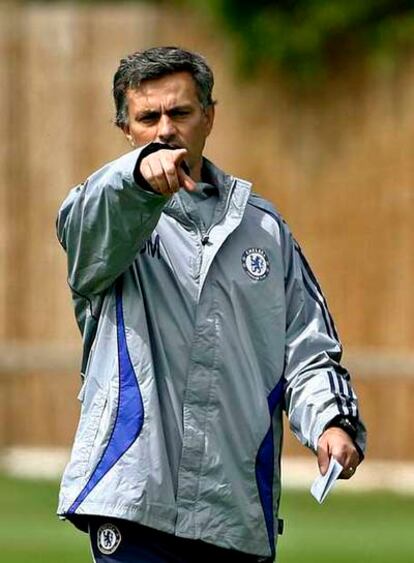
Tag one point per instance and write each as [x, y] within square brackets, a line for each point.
[205, 240]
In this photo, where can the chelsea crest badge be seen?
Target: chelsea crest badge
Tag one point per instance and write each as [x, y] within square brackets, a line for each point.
[256, 263]
[109, 538]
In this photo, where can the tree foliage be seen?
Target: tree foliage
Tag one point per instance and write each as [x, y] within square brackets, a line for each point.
[307, 37]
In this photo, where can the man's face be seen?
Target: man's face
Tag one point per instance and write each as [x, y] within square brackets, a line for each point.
[167, 110]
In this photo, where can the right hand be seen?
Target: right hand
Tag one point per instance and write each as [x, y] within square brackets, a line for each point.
[163, 172]
[338, 444]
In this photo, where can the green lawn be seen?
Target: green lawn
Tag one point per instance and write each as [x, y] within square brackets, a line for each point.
[30, 532]
[354, 528]
[347, 528]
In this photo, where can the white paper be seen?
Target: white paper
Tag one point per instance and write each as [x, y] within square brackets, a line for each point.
[324, 483]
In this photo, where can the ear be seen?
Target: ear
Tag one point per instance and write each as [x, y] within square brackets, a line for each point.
[127, 133]
[209, 113]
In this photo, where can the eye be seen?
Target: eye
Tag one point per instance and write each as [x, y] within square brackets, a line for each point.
[148, 118]
[180, 113]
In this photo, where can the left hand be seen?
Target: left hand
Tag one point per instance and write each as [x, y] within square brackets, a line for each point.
[337, 443]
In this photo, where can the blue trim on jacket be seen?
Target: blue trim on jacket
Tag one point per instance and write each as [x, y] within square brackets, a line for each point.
[130, 412]
[265, 465]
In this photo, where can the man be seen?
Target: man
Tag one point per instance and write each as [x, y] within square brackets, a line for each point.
[201, 322]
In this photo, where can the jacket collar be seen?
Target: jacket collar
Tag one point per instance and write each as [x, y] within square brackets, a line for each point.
[228, 190]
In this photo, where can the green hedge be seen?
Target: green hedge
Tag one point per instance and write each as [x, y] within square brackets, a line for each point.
[305, 38]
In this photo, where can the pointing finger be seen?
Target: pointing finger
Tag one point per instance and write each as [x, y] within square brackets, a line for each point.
[178, 155]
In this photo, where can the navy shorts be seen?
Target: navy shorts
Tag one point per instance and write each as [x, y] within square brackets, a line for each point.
[119, 540]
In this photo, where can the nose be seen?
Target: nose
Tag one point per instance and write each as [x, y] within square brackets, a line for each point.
[166, 129]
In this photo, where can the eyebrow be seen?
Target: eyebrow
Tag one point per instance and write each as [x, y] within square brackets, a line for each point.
[148, 113]
[155, 113]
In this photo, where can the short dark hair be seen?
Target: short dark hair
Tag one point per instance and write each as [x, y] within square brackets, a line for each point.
[155, 63]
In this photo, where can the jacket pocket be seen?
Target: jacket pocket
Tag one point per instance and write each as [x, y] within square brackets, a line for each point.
[89, 423]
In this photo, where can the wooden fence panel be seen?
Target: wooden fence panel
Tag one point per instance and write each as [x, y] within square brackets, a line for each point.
[40, 408]
[65, 61]
[4, 115]
[337, 163]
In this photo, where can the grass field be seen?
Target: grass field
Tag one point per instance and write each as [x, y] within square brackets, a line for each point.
[354, 528]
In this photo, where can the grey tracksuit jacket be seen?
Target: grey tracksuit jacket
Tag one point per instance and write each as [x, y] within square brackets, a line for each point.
[194, 344]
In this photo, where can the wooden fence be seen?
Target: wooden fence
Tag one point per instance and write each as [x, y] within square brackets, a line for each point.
[338, 163]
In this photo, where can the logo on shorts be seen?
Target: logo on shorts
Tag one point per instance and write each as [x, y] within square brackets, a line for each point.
[256, 263]
[109, 538]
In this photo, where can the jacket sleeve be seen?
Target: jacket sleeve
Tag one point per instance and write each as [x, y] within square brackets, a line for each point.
[103, 223]
[318, 387]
